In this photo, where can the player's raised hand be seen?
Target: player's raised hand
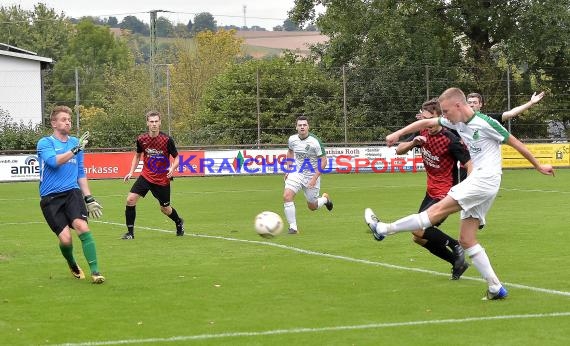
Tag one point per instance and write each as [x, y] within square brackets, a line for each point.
[83, 140]
[536, 98]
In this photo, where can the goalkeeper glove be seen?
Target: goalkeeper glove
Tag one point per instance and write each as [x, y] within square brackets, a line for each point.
[82, 143]
[93, 207]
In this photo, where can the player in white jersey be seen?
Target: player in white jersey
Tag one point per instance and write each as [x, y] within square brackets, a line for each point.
[473, 196]
[306, 160]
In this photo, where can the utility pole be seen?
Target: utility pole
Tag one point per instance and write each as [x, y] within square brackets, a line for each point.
[244, 21]
[153, 50]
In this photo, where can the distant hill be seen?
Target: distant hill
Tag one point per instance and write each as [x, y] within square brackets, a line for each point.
[298, 41]
[262, 43]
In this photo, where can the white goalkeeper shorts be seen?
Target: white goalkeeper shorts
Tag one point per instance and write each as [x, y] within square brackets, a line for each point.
[296, 182]
[476, 194]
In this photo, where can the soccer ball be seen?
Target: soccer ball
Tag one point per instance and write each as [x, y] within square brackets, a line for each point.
[268, 224]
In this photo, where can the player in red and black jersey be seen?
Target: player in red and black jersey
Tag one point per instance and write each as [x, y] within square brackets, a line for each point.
[156, 149]
[441, 149]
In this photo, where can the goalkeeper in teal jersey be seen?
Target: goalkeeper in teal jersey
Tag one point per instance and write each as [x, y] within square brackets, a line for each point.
[65, 196]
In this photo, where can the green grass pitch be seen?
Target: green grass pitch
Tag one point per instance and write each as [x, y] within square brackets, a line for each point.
[330, 285]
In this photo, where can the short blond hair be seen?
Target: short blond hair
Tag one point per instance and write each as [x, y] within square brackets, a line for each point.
[59, 109]
[454, 94]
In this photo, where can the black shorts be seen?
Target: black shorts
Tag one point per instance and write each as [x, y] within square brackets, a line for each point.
[161, 193]
[428, 202]
[61, 209]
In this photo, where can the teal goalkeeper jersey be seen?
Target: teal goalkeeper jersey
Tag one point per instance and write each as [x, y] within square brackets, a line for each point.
[54, 178]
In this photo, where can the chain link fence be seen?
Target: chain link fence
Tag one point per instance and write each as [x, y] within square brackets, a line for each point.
[357, 111]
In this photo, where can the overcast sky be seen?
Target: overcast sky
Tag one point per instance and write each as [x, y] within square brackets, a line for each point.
[263, 13]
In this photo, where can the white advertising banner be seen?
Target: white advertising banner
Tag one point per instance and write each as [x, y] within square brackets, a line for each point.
[379, 159]
[339, 160]
[244, 161]
[19, 168]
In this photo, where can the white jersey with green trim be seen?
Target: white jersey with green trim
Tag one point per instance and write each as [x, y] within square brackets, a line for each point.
[307, 151]
[483, 136]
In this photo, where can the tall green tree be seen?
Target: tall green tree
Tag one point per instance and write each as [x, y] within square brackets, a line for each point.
[113, 22]
[41, 30]
[289, 25]
[164, 27]
[92, 49]
[194, 67]
[385, 54]
[287, 88]
[135, 25]
[204, 21]
[470, 44]
[539, 47]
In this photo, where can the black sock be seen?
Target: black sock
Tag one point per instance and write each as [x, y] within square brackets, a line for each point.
[440, 251]
[437, 243]
[174, 216]
[130, 216]
[438, 236]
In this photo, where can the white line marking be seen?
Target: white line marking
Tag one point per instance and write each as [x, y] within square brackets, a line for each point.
[535, 190]
[20, 223]
[345, 258]
[317, 330]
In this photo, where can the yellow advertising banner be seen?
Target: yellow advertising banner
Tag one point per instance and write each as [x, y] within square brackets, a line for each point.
[557, 155]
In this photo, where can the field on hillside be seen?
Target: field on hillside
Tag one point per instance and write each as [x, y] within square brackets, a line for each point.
[332, 284]
[259, 44]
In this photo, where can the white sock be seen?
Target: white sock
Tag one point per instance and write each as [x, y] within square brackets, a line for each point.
[483, 264]
[409, 223]
[321, 201]
[290, 214]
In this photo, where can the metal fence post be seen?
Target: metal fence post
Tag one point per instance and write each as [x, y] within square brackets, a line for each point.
[344, 110]
[258, 109]
[168, 100]
[509, 94]
[427, 83]
[77, 98]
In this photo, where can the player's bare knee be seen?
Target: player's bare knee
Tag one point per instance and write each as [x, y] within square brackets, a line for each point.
[288, 196]
[418, 239]
[65, 237]
[312, 206]
[466, 241]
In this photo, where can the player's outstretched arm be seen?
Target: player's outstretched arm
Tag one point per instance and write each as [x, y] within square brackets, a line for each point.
[523, 150]
[534, 99]
[416, 126]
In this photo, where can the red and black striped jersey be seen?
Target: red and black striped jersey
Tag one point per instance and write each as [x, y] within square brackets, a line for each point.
[156, 156]
[440, 154]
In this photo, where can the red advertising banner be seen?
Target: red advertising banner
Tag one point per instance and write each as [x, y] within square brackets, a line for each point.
[117, 165]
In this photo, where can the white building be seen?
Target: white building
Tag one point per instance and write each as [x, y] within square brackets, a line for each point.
[21, 87]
